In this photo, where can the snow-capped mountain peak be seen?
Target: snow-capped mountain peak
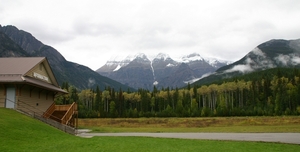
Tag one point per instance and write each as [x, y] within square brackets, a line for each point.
[118, 61]
[141, 57]
[116, 58]
[129, 58]
[162, 56]
[163, 60]
[140, 71]
[192, 57]
[215, 62]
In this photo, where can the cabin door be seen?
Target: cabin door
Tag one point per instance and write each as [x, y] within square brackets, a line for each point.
[10, 97]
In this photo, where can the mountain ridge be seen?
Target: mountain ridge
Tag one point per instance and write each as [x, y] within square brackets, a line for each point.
[161, 71]
[75, 74]
[267, 55]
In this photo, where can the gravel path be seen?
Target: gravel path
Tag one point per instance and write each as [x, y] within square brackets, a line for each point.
[292, 138]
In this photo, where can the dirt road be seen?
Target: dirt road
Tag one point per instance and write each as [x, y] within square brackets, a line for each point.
[292, 138]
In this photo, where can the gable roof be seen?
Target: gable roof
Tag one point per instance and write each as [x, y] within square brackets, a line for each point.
[16, 70]
[18, 65]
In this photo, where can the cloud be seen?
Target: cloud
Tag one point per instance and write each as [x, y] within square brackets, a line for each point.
[222, 29]
[196, 79]
[260, 61]
[240, 68]
[291, 59]
[41, 31]
[258, 52]
[91, 82]
[96, 29]
[295, 44]
[295, 60]
[283, 59]
[153, 38]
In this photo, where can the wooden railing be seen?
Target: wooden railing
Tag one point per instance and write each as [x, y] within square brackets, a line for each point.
[49, 111]
[66, 118]
[62, 107]
[62, 124]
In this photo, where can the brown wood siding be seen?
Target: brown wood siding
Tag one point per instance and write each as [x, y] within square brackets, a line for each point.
[40, 69]
[2, 96]
[34, 100]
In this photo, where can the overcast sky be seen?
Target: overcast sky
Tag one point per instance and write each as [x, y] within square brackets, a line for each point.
[90, 32]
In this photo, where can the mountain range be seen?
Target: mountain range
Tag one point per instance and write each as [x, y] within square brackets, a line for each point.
[19, 43]
[138, 71]
[271, 54]
[162, 71]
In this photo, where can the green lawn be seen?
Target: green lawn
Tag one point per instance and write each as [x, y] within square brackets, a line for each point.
[21, 133]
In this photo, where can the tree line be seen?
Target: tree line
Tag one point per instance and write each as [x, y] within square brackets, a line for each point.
[268, 95]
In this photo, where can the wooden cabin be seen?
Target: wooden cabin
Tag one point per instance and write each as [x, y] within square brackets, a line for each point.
[28, 84]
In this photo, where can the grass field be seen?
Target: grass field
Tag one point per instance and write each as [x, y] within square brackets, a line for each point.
[21, 133]
[211, 124]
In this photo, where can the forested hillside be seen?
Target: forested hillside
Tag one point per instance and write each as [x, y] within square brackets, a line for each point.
[270, 92]
[270, 54]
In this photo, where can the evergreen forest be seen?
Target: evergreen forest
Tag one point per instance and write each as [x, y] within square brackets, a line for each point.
[272, 92]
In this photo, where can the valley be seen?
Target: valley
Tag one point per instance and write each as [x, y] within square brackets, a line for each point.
[265, 82]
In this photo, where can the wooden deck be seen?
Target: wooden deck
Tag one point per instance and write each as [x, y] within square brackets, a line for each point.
[65, 114]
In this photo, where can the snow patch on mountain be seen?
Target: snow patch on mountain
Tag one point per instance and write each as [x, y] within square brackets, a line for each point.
[117, 68]
[170, 65]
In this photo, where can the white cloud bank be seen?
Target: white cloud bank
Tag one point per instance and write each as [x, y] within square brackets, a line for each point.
[90, 32]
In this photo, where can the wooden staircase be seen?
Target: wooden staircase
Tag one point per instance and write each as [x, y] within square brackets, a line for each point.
[57, 115]
[64, 114]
